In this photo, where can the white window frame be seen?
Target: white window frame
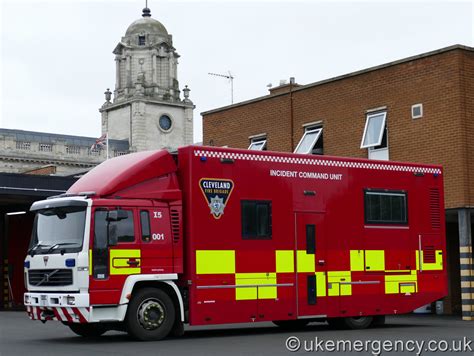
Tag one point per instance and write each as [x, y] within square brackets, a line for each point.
[257, 144]
[413, 116]
[307, 131]
[382, 130]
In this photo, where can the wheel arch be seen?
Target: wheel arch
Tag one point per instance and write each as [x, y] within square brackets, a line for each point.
[163, 282]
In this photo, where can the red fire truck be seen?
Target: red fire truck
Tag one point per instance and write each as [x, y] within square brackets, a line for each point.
[150, 241]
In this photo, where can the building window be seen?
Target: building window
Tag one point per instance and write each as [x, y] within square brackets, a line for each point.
[165, 122]
[311, 142]
[258, 144]
[45, 147]
[386, 207]
[256, 219]
[374, 130]
[141, 40]
[417, 111]
[22, 145]
[119, 153]
[73, 150]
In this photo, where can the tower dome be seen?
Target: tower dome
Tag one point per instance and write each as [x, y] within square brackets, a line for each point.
[146, 25]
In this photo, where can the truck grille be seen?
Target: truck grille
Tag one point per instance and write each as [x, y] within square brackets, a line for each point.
[50, 277]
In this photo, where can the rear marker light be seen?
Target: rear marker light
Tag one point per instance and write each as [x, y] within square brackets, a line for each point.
[128, 296]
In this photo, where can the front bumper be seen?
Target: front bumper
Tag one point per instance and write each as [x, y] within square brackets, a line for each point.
[55, 306]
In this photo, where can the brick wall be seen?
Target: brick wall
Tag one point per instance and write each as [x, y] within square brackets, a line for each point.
[442, 82]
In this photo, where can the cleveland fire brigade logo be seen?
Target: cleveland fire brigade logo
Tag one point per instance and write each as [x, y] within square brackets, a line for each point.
[217, 193]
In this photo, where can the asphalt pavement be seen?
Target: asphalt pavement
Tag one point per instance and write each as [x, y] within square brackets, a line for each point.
[402, 335]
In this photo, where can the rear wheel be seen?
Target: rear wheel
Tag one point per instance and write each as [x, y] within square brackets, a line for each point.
[361, 322]
[87, 330]
[291, 324]
[150, 315]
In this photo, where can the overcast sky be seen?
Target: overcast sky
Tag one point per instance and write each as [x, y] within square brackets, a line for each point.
[56, 56]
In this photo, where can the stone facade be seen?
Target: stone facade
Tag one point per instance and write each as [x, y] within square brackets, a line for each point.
[25, 151]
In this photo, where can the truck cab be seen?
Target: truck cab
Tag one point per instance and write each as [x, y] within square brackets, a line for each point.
[90, 249]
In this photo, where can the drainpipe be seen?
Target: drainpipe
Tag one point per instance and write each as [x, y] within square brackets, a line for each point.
[292, 82]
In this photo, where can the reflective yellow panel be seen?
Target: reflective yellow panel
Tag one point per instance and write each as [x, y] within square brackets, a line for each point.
[375, 260]
[285, 262]
[215, 261]
[305, 262]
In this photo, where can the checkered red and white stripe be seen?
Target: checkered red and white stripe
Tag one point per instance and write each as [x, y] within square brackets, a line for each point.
[316, 162]
[67, 314]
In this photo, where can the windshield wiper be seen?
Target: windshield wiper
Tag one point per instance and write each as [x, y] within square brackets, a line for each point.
[55, 246]
[32, 250]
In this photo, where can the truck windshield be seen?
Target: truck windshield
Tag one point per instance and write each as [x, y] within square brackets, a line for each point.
[58, 230]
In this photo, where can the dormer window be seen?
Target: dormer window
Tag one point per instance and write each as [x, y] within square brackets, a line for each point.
[141, 40]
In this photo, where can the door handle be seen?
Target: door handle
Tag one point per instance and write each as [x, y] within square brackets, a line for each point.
[321, 262]
[133, 262]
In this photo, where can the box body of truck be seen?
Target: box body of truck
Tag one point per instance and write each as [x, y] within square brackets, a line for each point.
[296, 236]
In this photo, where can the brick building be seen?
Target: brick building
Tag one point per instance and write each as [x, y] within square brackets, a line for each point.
[418, 109]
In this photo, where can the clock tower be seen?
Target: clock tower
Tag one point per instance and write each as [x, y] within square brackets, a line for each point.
[147, 108]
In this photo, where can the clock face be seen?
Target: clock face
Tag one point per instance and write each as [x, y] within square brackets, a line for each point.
[165, 122]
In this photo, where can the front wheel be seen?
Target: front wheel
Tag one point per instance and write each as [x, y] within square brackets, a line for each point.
[87, 330]
[150, 315]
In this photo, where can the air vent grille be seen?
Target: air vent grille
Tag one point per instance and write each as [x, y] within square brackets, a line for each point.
[435, 214]
[50, 277]
[175, 225]
[429, 254]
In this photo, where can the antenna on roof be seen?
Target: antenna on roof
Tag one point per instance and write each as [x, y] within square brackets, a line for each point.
[231, 80]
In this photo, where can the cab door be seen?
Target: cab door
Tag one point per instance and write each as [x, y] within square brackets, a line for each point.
[156, 240]
[112, 264]
[311, 269]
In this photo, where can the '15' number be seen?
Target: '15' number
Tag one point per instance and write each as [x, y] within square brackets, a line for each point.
[157, 215]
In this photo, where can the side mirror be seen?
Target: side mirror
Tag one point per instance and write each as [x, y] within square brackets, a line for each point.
[117, 215]
[112, 234]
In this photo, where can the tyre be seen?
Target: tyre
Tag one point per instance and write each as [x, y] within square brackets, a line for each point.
[150, 315]
[87, 330]
[291, 324]
[361, 322]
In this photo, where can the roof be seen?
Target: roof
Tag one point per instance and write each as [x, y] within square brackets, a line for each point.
[45, 137]
[344, 76]
[148, 26]
[119, 173]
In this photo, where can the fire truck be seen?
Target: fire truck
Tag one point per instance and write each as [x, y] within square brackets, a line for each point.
[150, 241]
